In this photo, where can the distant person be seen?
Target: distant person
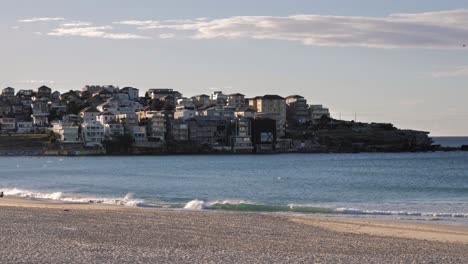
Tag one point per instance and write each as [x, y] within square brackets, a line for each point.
[1, 194]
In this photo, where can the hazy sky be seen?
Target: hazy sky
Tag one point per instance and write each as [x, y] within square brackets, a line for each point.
[399, 61]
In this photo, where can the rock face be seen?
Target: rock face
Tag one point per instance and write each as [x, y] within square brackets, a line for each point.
[344, 136]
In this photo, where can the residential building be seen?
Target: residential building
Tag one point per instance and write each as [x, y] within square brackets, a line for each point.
[218, 98]
[24, 127]
[207, 130]
[105, 117]
[317, 112]
[89, 114]
[113, 130]
[130, 119]
[241, 135]
[40, 115]
[7, 124]
[217, 111]
[179, 130]
[246, 111]
[8, 92]
[71, 118]
[271, 106]
[185, 102]
[138, 133]
[163, 94]
[156, 127]
[25, 93]
[96, 88]
[43, 91]
[5, 107]
[297, 109]
[201, 100]
[92, 133]
[133, 93]
[264, 134]
[236, 100]
[66, 132]
[184, 113]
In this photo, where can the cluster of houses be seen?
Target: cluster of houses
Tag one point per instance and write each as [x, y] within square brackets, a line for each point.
[99, 114]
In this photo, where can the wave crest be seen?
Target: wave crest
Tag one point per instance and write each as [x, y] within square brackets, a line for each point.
[128, 200]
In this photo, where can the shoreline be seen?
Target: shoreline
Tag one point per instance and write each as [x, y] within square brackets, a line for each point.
[44, 232]
[440, 232]
[2, 154]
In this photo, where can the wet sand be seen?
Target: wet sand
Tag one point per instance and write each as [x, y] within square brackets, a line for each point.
[43, 232]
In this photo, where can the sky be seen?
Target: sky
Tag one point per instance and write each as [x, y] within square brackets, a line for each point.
[397, 61]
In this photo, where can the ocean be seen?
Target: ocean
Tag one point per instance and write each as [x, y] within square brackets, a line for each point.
[409, 186]
[450, 141]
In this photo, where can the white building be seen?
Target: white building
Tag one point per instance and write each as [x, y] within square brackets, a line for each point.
[92, 133]
[89, 114]
[66, 132]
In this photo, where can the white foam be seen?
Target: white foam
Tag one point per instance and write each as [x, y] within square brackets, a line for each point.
[402, 213]
[196, 205]
[200, 205]
[128, 200]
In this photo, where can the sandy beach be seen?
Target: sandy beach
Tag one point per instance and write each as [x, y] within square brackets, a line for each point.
[44, 232]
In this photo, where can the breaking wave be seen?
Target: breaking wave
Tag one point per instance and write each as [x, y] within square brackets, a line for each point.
[225, 205]
[128, 200]
[252, 207]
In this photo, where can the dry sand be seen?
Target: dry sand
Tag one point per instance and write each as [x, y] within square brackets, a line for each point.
[43, 232]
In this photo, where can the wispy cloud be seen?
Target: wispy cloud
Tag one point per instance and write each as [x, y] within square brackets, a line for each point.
[461, 71]
[36, 82]
[104, 32]
[77, 24]
[40, 19]
[440, 30]
[166, 36]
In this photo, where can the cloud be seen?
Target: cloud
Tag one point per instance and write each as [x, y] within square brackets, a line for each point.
[36, 82]
[76, 24]
[166, 36]
[40, 19]
[92, 32]
[439, 30]
[455, 72]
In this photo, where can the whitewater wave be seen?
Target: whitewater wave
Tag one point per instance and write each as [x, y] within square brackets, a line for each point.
[399, 213]
[226, 205]
[128, 200]
[229, 205]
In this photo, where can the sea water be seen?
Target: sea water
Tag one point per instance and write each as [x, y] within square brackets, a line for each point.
[421, 186]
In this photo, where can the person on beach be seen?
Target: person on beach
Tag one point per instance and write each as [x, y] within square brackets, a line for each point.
[1, 194]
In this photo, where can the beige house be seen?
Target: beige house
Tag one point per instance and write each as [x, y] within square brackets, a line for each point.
[271, 106]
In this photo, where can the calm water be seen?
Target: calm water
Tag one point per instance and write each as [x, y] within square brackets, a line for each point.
[450, 141]
[421, 185]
